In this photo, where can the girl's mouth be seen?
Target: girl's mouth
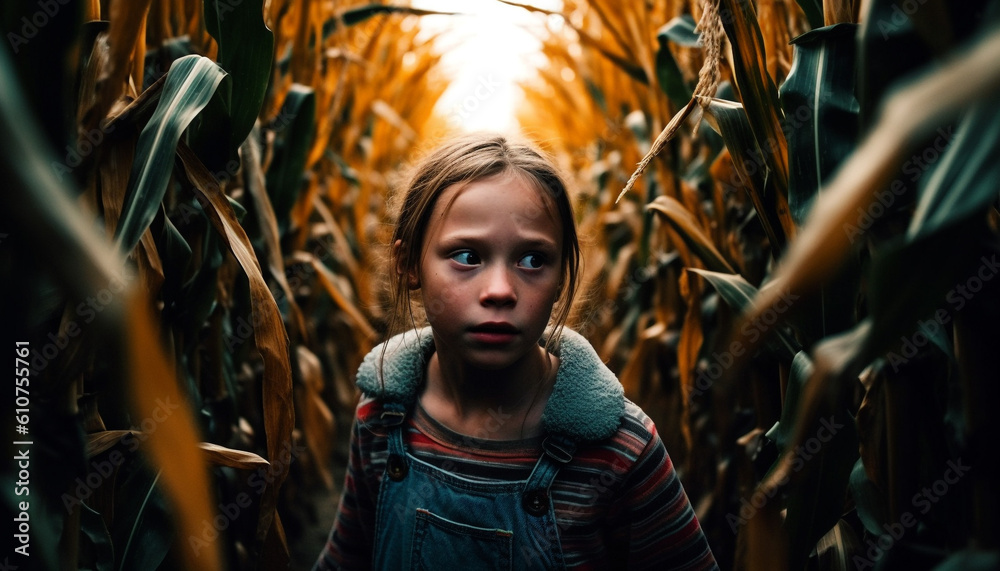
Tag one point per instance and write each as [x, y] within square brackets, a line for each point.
[494, 332]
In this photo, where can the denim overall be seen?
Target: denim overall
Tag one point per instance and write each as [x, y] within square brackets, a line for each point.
[428, 518]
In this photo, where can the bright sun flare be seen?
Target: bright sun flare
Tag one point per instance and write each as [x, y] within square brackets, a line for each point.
[487, 51]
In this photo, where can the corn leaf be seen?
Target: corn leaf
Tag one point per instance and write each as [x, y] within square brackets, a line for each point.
[294, 132]
[268, 225]
[246, 47]
[832, 223]
[173, 446]
[42, 210]
[356, 15]
[813, 10]
[818, 479]
[729, 119]
[126, 16]
[191, 83]
[821, 118]
[150, 536]
[239, 459]
[820, 111]
[269, 331]
[869, 500]
[942, 244]
[738, 294]
[757, 90]
[799, 373]
[889, 49]
[94, 531]
[679, 30]
[681, 219]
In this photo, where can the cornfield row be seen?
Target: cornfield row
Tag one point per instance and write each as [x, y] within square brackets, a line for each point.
[796, 282]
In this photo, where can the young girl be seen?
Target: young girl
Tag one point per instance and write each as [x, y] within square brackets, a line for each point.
[495, 438]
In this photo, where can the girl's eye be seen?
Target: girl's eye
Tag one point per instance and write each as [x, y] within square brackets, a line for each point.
[533, 261]
[466, 258]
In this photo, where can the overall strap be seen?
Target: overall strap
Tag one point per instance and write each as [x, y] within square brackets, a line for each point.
[557, 451]
[392, 418]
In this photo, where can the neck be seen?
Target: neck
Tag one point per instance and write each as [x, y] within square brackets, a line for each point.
[463, 397]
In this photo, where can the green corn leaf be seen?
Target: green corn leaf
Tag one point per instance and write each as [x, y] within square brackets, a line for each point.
[668, 74]
[143, 530]
[941, 250]
[820, 111]
[801, 370]
[94, 532]
[681, 31]
[739, 293]
[820, 440]
[813, 10]
[359, 14]
[868, 500]
[821, 117]
[817, 503]
[246, 48]
[971, 560]
[294, 131]
[191, 83]
[888, 50]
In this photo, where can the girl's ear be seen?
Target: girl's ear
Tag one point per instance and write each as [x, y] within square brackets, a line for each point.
[412, 279]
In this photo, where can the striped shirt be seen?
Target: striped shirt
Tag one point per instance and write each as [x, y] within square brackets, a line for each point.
[618, 504]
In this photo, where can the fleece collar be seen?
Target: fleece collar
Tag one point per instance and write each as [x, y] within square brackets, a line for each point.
[587, 401]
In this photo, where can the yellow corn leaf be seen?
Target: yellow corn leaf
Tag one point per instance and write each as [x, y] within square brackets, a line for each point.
[329, 283]
[126, 23]
[256, 186]
[239, 459]
[317, 420]
[686, 225]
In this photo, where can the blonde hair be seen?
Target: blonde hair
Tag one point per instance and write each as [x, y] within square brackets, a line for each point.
[463, 160]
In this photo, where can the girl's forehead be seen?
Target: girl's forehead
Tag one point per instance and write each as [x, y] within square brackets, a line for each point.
[504, 182]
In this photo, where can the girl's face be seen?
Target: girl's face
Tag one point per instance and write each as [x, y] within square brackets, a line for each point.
[490, 270]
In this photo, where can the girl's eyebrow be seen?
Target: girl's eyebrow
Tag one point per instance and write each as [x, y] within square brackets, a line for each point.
[533, 242]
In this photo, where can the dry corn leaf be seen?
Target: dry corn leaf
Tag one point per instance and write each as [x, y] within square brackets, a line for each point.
[239, 459]
[685, 224]
[269, 331]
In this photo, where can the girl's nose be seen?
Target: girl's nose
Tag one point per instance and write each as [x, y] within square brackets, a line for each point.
[498, 288]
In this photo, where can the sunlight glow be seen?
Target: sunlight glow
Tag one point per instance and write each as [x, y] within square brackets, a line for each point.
[486, 51]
